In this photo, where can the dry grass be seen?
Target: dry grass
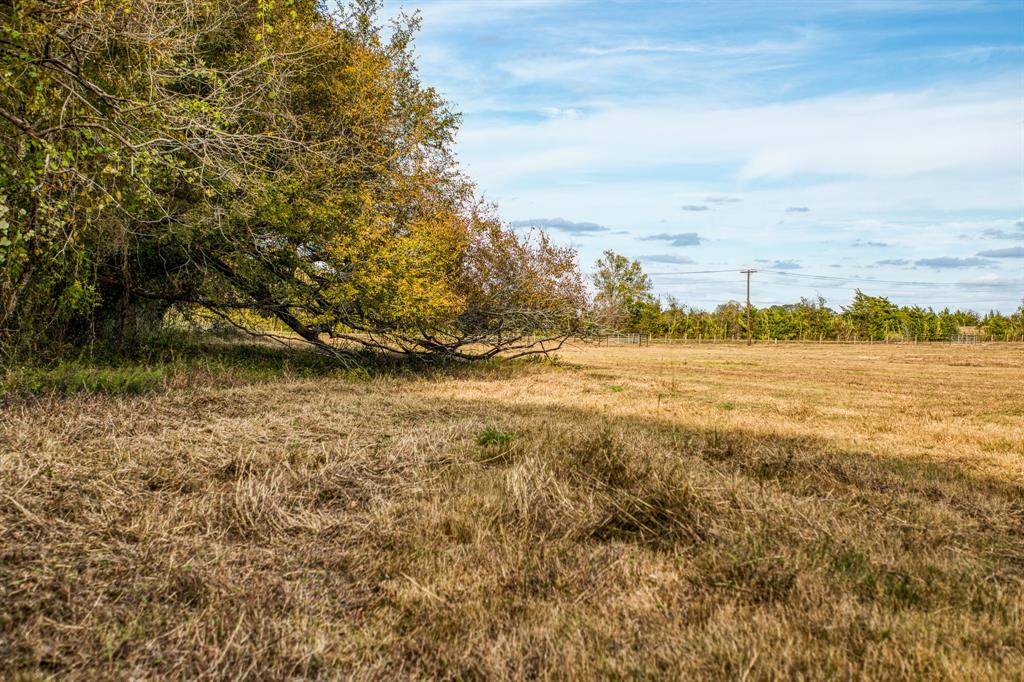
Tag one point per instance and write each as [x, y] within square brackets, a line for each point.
[710, 512]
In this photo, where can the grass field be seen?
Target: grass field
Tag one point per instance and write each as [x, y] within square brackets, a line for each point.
[837, 512]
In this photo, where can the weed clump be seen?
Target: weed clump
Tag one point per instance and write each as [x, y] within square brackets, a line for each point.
[640, 501]
[870, 583]
[659, 516]
[497, 447]
[492, 436]
[602, 459]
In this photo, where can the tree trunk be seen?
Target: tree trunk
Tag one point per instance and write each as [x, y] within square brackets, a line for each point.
[127, 317]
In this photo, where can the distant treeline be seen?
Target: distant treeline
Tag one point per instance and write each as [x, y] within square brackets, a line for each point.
[867, 318]
[624, 302]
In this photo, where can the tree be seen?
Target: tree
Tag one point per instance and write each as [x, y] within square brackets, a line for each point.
[259, 160]
[817, 318]
[126, 127]
[872, 317]
[622, 290]
[730, 320]
[996, 326]
[1016, 330]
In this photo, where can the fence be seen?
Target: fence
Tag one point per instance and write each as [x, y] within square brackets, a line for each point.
[623, 340]
[965, 339]
[664, 339]
[853, 340]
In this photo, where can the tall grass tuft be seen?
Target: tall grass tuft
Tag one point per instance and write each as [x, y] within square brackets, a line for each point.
[71, 378]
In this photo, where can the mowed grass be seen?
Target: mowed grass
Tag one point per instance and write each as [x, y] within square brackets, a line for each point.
[715, 512]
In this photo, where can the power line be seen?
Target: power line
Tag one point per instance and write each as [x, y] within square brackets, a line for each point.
[861, 280]
[691, 272]
[843, 287]
[700, 281]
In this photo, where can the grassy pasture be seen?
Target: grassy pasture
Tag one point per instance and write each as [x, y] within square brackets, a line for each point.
[671, 512]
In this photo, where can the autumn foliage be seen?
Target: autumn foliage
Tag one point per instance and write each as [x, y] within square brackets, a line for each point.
[255, 160]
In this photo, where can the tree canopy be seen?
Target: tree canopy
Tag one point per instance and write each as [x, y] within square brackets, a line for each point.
[257, 159]
[622, 289]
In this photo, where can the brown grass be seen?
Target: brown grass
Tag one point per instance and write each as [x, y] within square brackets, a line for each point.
[684, 512]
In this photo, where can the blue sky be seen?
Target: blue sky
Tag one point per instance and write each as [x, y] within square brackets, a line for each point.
[829, 144]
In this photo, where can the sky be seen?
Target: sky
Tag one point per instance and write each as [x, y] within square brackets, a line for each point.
[830, 145]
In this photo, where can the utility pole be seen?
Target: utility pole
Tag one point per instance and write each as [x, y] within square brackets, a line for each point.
[750, 330]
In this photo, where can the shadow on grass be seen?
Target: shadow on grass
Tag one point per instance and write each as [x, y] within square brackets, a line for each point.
[183, 359]
[802, 465]
[915, 515]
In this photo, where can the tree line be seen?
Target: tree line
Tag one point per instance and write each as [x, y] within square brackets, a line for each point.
[624, 302]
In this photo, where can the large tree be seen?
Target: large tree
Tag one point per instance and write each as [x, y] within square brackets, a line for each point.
[260, 159]
[623, 289]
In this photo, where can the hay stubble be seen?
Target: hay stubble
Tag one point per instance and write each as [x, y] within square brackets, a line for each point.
[855, 512]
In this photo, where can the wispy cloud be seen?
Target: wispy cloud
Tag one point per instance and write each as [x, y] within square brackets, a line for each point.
[694, 207]
[995, 283]
[566, 113]
[798, 209]
[893, 261]
[643, 48]
[453, 14]
[996, 233]
[981, 53]
[784, 265]
[562, 225]
[840, 136]
[665, 258]
[944, 262]
[806, 39]
[722, 200]
[678, 239]
[1010, 252]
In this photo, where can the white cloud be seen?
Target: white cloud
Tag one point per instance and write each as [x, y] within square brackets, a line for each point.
[868, 136]
[449, 15]
[556, 112]
[806, 40]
